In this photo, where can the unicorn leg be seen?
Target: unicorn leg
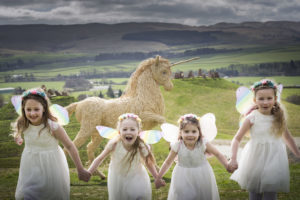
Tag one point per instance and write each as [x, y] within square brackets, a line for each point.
[91, 147]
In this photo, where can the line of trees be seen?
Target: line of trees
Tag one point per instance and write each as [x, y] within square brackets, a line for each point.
[166, 54]
[291, 68]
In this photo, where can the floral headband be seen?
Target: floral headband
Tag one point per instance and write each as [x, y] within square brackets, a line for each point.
[130, 115]
[264, 82]
[184, 117]
[34, 91]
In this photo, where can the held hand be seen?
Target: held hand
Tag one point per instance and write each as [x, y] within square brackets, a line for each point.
[19, 141]
[84, 175]
[159, 183]
[232, 166]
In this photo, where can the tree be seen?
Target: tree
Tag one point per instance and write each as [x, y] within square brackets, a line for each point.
[101, 95]
[120, 93]
[110, 92]
[1, 101]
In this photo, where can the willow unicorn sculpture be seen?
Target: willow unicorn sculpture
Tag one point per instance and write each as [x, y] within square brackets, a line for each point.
[142, 96]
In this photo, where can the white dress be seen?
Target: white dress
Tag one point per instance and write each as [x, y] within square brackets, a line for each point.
[44, 172]
[192, 177]
[263, 166]
[128, 182]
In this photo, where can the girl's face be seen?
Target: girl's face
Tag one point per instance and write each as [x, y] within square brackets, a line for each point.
[34, 111]
[190, 134]
[129, 131]
[265, 100]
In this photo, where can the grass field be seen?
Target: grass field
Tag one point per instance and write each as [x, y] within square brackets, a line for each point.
[191, 95]
[248, 55]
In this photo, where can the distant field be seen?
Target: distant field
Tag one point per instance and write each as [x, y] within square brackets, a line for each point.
[285, 80]
[250, 54]
[58, 85]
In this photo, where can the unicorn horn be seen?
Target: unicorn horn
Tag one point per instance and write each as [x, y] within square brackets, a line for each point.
[184, 61]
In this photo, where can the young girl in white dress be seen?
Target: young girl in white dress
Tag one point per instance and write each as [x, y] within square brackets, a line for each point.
[127, 177]
[263, 169]
[192, 177]
[44, 172]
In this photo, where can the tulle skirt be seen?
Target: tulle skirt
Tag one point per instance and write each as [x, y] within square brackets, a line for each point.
[263, 167]
[193, 183]
[44, 174]
[131, 185]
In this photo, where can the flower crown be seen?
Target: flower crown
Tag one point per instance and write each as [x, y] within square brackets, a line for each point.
[184, 117]
[264, 82]
[35, 91]
[130, 115]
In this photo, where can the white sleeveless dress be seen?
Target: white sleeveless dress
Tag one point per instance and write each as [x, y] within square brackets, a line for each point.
[192, 177]
[128, 182]
[263, 166]
[44, 172]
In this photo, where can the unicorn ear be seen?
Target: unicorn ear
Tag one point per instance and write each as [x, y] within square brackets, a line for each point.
[157, 60]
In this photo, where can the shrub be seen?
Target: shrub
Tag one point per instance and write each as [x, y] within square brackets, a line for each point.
[295, 99]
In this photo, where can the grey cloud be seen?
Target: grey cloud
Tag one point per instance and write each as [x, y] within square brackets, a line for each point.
[190, 12]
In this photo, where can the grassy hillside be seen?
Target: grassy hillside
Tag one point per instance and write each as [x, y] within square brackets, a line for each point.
[198, 96]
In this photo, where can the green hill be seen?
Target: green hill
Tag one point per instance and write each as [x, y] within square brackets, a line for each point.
[197, 96]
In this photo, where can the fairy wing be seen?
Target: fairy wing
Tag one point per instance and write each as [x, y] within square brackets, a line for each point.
[244, 99]
[60, 113]
[17, 102]
[170, 132]
[107, 132]
[208, 126]
[151, 136]
[279, 91]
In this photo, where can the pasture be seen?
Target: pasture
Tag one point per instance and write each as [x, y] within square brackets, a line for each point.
[198, 96]
[247, 55]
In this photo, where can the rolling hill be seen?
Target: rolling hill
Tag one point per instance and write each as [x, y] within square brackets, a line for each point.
[141, 37]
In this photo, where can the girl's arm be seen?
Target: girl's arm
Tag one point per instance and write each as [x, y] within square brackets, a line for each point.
[62, 136]
[151, 167]
[167, 164]
[97, 161]
[236, 142]
[290, 142]
[213, 150]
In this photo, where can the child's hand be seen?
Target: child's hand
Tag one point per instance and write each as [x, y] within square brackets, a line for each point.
[19, 141]
[84, 175]
[159, 183]
[232, 166]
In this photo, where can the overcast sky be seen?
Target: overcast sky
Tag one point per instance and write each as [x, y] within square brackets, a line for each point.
[189, 12]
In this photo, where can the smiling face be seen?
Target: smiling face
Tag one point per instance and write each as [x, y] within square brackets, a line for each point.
[190, 134]
[34, 111]
[129, 131]
[265, 100]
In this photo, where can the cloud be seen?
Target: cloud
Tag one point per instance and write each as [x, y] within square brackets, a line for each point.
[190, 12]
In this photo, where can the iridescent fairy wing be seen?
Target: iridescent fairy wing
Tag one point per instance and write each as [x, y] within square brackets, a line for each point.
[150, 136]
[170, 132]
[60, 113]
[107, 132]
[17, 103]
[208, 126]
[244, 100]
[279, 91]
